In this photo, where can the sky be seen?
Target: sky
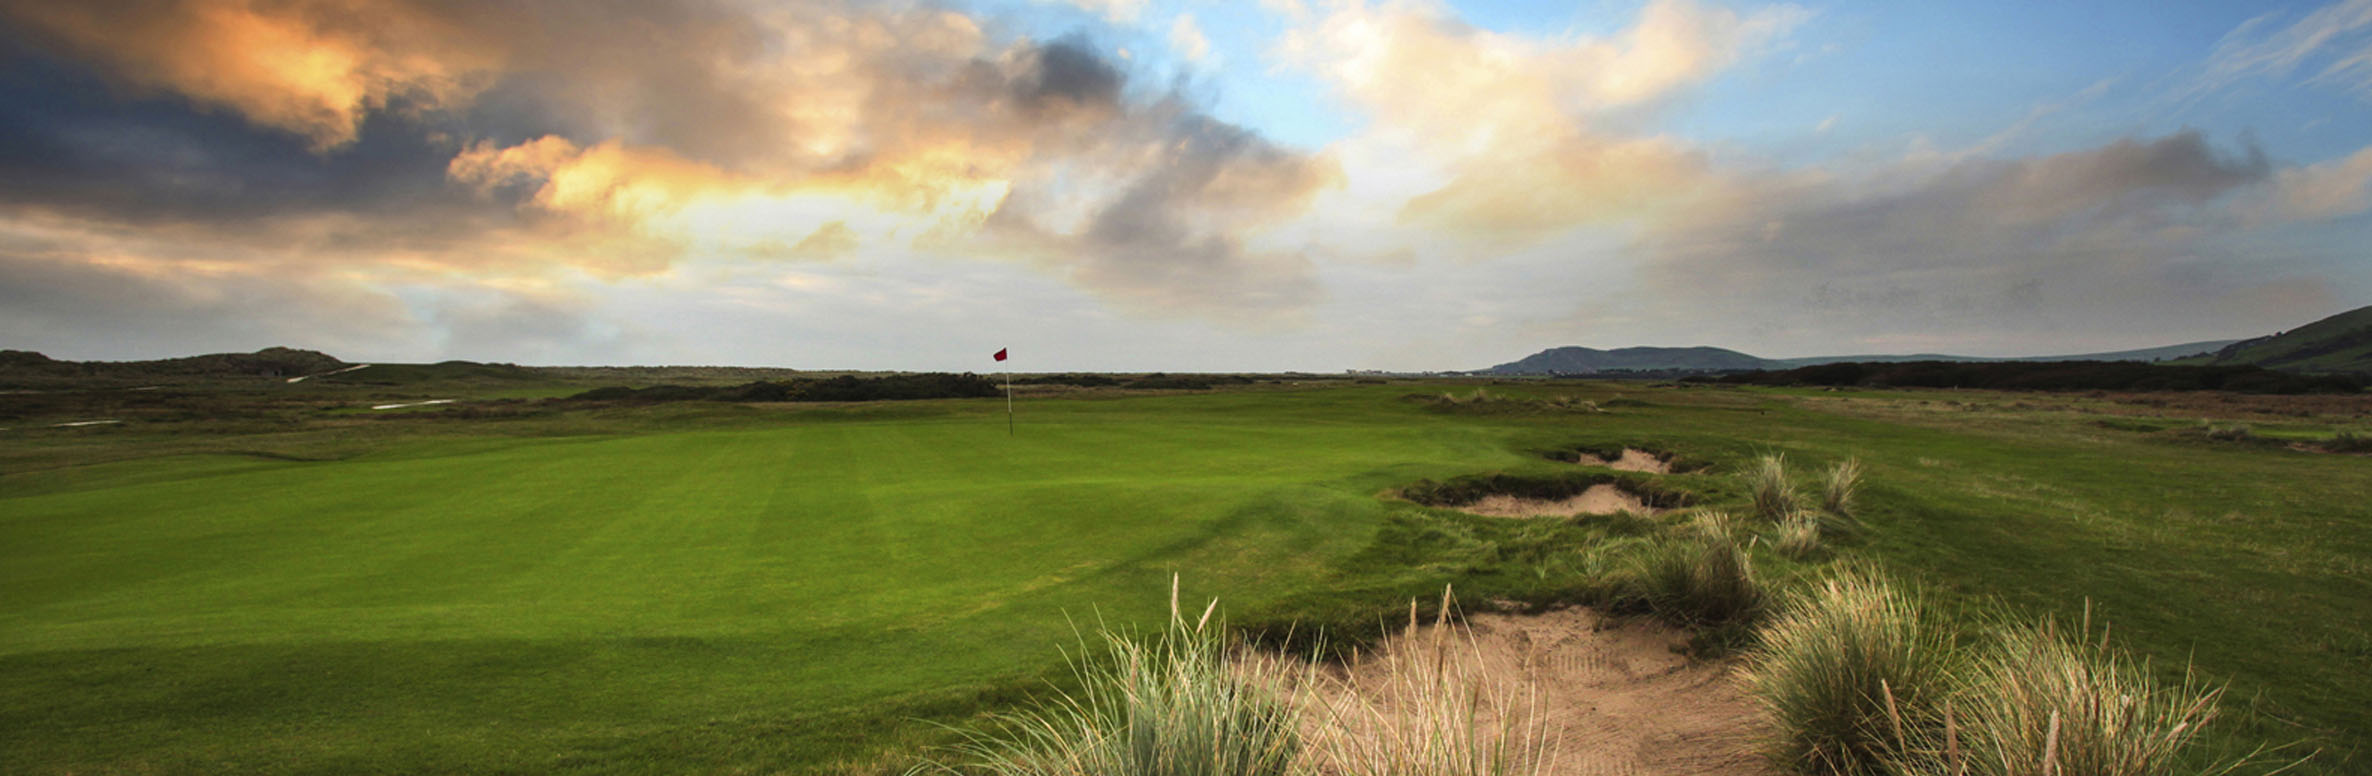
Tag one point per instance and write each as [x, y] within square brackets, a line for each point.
[1173, 185]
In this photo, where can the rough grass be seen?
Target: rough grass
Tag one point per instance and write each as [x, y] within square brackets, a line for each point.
[1849, 673]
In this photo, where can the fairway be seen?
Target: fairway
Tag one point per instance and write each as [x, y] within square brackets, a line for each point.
[472, 601]
[765, 588]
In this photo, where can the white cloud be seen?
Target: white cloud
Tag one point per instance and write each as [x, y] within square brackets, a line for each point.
[1498, 135]
[1121, 11]
[1187, 39]
[2337, 37]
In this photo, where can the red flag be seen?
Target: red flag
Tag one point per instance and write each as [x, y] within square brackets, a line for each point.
[1001, 354]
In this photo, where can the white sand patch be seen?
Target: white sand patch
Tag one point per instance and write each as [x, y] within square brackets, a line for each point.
[1596, 500]
[412, 404]
[1632, 460]
[302, 378]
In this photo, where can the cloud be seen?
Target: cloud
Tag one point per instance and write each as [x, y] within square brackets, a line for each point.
[2101, 240]
[1516, 133]
[1187, 39]
[1119, 11]
[2337, 37]
[312, 68]
[623, 140]
[2332, 189]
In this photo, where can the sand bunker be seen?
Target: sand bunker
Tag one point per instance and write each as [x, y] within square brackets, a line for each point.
[1596, 500]
[1605, 699]
[1631, 460]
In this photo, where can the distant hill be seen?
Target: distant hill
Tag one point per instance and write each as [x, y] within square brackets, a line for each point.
[22, 366]
[1580, 360]
[27, 369]
[2340, 344]
[2144, 354]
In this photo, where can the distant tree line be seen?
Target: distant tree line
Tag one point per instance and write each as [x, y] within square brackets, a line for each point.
[2051, 376]
[1153, 381]
[929, 385]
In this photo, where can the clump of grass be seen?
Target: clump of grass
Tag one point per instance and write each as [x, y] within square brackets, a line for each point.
[1702, 579]
[2040, 703]
[1773, 494]
[1799, 537]
[1850, 673]
[1176, 706]
[2348, 442]
[1568, 402]
[1838, 488]
[2237, 432]
[1439, 712]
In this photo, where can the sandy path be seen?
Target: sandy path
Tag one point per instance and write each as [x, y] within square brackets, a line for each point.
[302, 378]
[1632, 460]
[1610, 700]
[412, 404]
[1596, 500]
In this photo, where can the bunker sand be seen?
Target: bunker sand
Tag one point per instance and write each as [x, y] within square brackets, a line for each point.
[1596, 500]
[1632, 460]
[1608, 698]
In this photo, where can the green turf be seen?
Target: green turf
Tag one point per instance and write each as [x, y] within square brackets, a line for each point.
[700, 588]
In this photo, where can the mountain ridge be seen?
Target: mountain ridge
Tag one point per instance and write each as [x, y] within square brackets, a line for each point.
[1574, 359]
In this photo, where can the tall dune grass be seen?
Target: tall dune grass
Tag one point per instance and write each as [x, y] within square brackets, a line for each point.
[1175, 706]
[1186, 703]
[1702, 577]
[1799, 537]
[1839, 486]
[1439, 711]
[2041, 703]
[1773, 494]
[1850, 674]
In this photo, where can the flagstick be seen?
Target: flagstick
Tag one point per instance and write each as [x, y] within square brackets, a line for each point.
[1008, 403]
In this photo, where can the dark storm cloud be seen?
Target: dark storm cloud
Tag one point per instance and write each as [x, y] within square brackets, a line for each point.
[1067, 73]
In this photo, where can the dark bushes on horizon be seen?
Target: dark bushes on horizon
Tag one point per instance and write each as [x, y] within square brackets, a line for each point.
[929, 385]
[2054, 376]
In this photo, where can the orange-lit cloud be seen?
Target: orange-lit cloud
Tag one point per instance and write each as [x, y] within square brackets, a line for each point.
[312, 67]
[1509, 124]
